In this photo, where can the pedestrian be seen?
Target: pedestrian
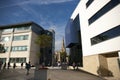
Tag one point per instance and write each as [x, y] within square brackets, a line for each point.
[73, 65]
[1, 65]
[8, 65]
[28, 66]
[21, 65]
[58, 64]
[4, 66]
[14, 65]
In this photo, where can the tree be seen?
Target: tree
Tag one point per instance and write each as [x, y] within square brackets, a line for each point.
[63, 56]
[44, 41]
[2, 49]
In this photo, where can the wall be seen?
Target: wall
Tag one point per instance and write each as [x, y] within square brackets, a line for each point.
[34, 49]
[104, 23]
[114, 67]
[91, 64]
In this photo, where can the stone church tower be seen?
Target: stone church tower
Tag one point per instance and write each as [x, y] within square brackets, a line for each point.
[63, 49]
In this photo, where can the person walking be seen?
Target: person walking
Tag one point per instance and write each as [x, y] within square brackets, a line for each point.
[14, 65]
[1, 63]
[74, 65]
[8, 65]
[4, 66]
[21, 65]
[28, 66]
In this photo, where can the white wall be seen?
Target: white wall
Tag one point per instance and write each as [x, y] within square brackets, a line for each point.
[104, 23]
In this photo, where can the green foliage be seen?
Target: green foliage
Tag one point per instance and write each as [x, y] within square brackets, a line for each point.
[63, 56]
[2, 49]
[38, 54]
[44, 40]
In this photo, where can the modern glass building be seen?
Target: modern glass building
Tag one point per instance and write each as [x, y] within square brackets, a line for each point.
[19, 42]
[99, 36]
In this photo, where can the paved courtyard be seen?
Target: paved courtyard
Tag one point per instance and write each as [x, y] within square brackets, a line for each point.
[54, 74]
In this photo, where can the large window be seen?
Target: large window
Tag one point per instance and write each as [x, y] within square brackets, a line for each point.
[114, 32]
[19, 48]
[3, 60]
[104, 10]
[8, 30]
[5, 39]
[18, 60]
[21, 37]
[88, 3]
[22, 28]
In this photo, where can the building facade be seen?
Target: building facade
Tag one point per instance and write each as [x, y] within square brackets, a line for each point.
[99, 27]
[19, 42]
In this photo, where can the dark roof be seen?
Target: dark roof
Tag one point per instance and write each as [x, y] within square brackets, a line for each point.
[19, 25]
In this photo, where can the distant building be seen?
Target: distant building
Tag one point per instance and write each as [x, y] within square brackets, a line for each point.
[57, 54]
[53, 45]
[63, 48]
[19, 41]
[48, 55]
[93, 31]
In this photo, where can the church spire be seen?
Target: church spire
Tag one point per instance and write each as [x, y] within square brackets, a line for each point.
[63, 49]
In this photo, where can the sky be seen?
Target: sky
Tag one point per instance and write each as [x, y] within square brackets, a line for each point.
[50, 14]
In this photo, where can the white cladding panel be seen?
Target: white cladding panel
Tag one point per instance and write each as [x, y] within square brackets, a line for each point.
[106, 22]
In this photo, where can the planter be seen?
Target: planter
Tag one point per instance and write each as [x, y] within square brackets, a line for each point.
[64, 66]
[41, 73]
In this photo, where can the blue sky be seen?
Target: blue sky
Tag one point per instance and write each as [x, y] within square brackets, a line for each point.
[50, 14]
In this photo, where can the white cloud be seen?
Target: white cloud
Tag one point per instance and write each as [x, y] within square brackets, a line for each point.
[22, 2]
[59, 28]
[48, 1]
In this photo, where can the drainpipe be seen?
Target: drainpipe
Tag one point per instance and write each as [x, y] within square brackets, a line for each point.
[119, 59]
[11, 41]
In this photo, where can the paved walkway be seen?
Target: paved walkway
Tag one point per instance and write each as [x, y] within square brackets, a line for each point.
[54, 74]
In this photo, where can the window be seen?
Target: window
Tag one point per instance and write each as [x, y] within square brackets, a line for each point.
[19, 48]
[6, 49]
[88, 3]
[18, 60]
[114, 32]
[104, 10]
[5, 39]
[22, 28]
[3, 60]
[22, 37]
[8, 30]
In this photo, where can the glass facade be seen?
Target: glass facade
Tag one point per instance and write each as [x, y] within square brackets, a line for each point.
[112, 33]
[21, 37]
[19, 48]
[73, 41]
[104, 10]
[18, 60]
[72, 32]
